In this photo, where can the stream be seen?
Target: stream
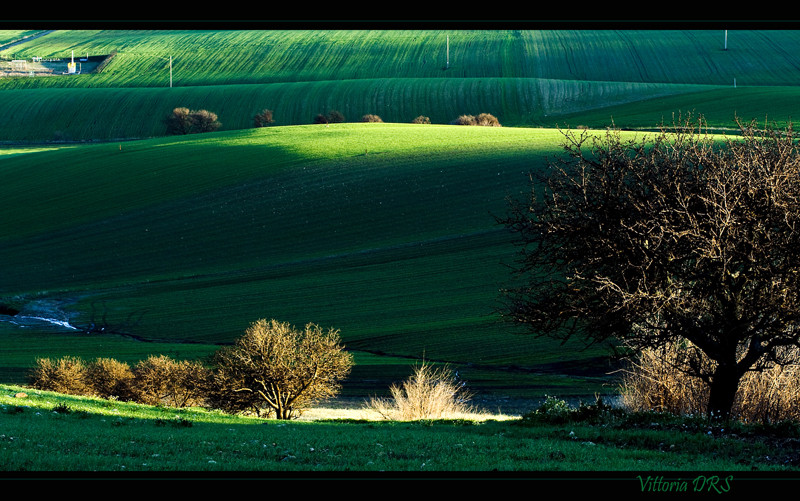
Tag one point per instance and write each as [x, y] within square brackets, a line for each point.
[40, 313]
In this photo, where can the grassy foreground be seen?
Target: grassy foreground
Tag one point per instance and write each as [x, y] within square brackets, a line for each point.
[46, 432]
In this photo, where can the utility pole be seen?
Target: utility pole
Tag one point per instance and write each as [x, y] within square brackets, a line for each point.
[447, 65]
[170, 70]
[726, 39]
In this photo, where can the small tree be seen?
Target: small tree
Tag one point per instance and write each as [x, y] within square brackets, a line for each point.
[680, 237]
[263, 119]
[422, 119]
[371, 118]
[275, 368]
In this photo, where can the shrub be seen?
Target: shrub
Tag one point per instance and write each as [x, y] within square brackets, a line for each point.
[656, 380]
[421, 120]
[185, 121]
[371, 118]
[275, 368]
[263, 119]
[333, 116]
[464, 120]
[161, 380]
[552, 410]
[64, 375]
[487, 120]
[109, 378]
[204, 121]
[484, 119]
[430, 393]
[179, 121]
[557, 411]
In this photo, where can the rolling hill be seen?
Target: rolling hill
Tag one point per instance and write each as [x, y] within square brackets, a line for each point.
[525, 78]
[384, 231]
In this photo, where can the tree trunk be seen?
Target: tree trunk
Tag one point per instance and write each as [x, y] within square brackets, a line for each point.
[722, 391]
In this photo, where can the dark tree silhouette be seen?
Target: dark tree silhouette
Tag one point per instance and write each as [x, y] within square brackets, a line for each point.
[677, 237]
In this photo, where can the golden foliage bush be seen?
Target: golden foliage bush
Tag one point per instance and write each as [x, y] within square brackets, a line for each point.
[110, 378]
[64, 375]
[161, 380]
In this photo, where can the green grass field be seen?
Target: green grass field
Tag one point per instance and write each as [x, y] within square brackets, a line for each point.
[126, 440]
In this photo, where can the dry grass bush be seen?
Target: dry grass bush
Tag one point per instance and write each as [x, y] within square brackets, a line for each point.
[110, 378]
[772, 395]
[430, 393]
[371, 118]
[65, 375]
[658, 380]
[422, 119]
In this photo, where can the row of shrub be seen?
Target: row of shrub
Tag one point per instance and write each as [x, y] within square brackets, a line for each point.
[429, 393]
[483, 119]
[186, 121]
[273, 368]
[156, 380]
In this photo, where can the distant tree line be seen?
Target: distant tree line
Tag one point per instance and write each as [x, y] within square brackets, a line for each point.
[185, 121]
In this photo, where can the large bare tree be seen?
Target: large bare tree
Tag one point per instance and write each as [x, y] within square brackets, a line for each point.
[674, 236]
